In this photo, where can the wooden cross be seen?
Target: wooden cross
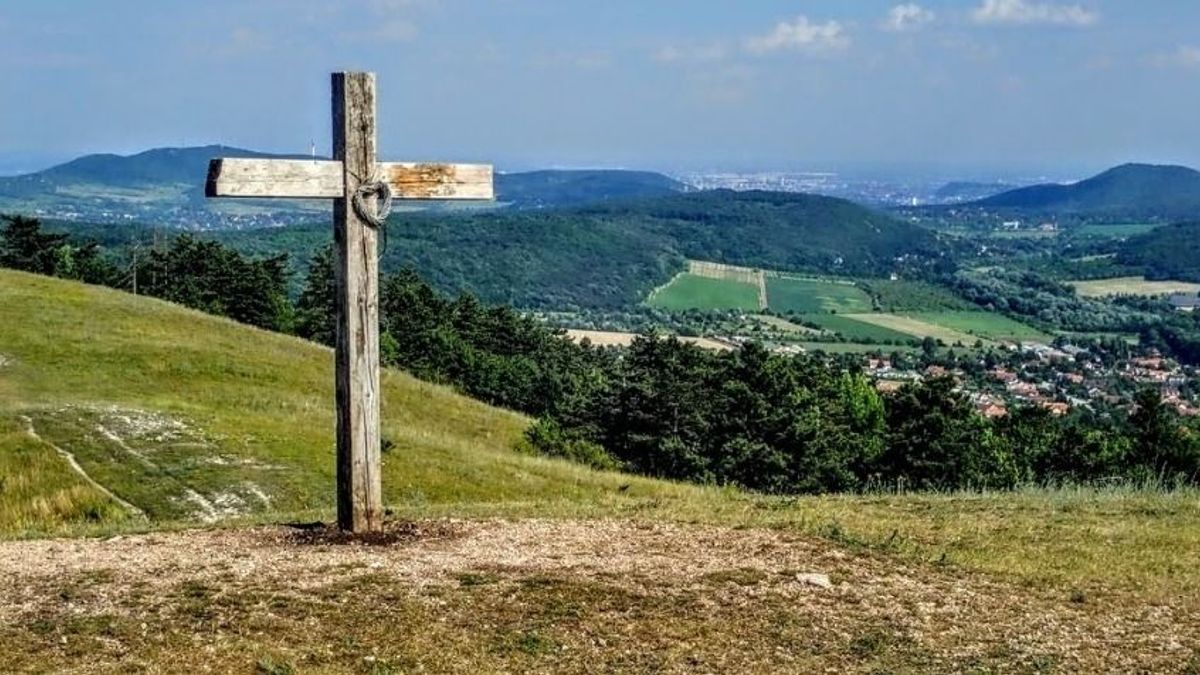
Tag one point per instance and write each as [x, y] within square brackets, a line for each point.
[359, 498]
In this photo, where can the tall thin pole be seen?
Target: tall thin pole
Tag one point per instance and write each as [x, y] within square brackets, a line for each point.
[359, 490]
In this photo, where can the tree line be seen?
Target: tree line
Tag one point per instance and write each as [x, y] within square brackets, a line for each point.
[766, 422]
[780, 424]
[204, 275]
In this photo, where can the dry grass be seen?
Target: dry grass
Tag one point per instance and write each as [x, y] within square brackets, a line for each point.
[606, 338]
[551, 596]
[1097, 288]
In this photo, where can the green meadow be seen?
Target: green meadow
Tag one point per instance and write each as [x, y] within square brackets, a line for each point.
[689, 291]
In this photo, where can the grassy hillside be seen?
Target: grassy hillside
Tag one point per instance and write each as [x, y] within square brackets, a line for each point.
[190, 417]
[1130, 189]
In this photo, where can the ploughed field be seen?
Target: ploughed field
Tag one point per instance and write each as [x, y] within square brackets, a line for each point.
[163, 474]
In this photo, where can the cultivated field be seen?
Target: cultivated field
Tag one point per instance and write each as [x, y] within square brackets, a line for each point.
[987, 325]
[1115, 230]
[854, 329]
[805, 295]
[855, 347]
[713, 270]
[708, 285]
[785, 326]
[604, 338]
[915, 327]
[690, 291]
[1131, 286]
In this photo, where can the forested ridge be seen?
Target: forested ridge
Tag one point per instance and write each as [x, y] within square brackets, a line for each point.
[784, 424]
[613, 254]
[1129, 190]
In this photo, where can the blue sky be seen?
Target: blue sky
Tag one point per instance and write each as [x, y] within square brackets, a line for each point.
[1043, 85]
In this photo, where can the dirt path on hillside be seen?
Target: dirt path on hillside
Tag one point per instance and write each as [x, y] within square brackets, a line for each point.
[595, 596]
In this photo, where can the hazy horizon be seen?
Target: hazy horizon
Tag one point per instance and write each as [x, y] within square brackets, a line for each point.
[969, 87]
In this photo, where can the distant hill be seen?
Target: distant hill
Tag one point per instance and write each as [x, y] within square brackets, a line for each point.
[166, 186]
[1168, 252]
[965, 191]
[541, 189]
[611, 255]
[152, 167]
[1133, 190]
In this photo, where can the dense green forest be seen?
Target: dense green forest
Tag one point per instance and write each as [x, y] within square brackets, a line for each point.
[611, 255]
[664, 408]
[1169, 252]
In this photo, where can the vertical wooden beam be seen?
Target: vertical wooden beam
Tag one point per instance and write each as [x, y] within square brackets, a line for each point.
[359, 492]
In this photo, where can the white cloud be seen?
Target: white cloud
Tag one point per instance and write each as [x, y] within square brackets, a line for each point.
[907, 17]
[1185, 56]
[1023, 12]
[800, 35]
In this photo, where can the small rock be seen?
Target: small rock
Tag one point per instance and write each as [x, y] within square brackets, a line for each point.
[813, 579]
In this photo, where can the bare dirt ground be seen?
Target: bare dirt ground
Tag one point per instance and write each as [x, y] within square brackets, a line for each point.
[550, 596]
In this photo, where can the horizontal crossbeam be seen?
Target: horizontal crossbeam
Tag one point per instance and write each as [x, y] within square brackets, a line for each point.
[322, 179]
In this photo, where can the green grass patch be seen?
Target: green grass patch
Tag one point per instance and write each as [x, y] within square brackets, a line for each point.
[1114, 230]
[802, 296]
[38, 489]
[986, 325]
[854, 329]
[689, 291]
[914, 296]
[854, 347]
[1098, 288]
[916, 328]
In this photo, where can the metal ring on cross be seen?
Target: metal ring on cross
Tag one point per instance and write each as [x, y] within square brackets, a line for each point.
[383, 193]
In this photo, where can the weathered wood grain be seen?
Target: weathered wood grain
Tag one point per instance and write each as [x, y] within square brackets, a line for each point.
[359, 486]
[317, 179]
[309, 179]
